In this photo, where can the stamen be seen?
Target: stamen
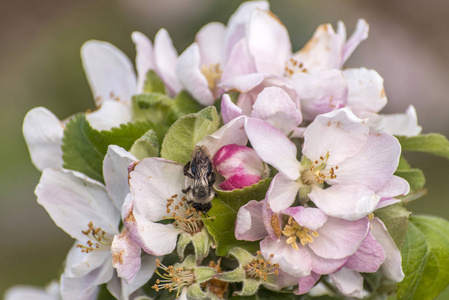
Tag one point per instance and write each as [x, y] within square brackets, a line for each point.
[97, 239]
[216, 286]
[317, 172]
[173, 278]
[294, 231]
[292, 66]
[261, 268]
[213, 74]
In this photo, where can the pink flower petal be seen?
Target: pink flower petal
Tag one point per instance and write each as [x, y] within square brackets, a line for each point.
[282, 192]
[210, 40]
[238, 181]
[368, 258]
[229, 110]
[236, 159]
[325, 265]
[360, 34]
[349, 282]
[249, 225]
[144, 58]
[395, 186]
[125, 256]
[309, 217]
[306, 283]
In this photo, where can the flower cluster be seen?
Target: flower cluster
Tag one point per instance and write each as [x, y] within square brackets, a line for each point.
[278, 189]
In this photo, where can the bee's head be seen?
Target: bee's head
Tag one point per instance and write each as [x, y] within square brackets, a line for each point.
[202, 207]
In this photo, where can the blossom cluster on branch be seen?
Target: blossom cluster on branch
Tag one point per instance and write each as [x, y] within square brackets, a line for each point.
[237, 168]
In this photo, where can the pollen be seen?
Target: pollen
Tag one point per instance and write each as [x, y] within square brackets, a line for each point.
[216, 286]
[294, 231]
[292, 66]
[172, 278]
[261, 268]
[98, 238]
[318, 172]
[213, 74]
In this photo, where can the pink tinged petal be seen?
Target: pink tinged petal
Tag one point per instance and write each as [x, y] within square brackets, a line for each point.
[244, 83]
[285, 280]
[340, 133]
[43, 133]
[144, 58]
[152, 182]
[402, 124]
[268, 42]
[273, 147]
[229, 110]
[391, 268]
[210, 40]
[125, 256]
[73, 201]
[80, 263]
[298, 132]
[325, 265]
[339, 238]
[238, 181]
[276, 107]
[366, 90]
[240, 62]
[110, 114]
[395, 186]
[282, 192]
[309, 217]
[231, 133]
[165, 56]
[321, 91]
[368, 258]
[349, 282]
[294, 262]
[23, 292]
[249, 224]
[386, 202]
[188, 70]
[360, 34]
[306, 283]
[115, 173]
[156, 239]
[109, 71]
[322, 51]
[237, 22]
[373, 166]
[349, 202]
[236, 159]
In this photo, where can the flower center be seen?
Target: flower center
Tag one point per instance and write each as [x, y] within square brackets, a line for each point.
[292, 66]
[173, 278]
[293, 231]
[185, 217]
[216, 286]
[261, 268]
[98, 239]
[317, 171]
[212, 73]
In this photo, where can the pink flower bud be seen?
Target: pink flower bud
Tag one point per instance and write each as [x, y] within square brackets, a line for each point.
[239, 165]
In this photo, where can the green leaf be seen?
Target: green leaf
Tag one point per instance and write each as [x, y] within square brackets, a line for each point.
[185, 104]
[415, 177]
[84, 148]
[433, 143]
[395, 217]
[425, 258]
[225, 208]
[154, 107]
[185, 133]
[146, 146]
[153, 84]
[403, 164]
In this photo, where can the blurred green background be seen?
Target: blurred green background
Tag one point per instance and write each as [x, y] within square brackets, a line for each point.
[40, 66]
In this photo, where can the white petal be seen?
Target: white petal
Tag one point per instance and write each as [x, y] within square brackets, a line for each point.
[282, 192]
[240, 62]
[211, 39]
[165, 56]
[110, 114]
[268, 42]
[368, 257]
[366, 90]
[115, 173]
[43, 133]
[309, 217]
[276, 107]
[244, 83]
[340, 133]
[73, 200]
[80, 264]
[349, 202]
[249, 225]
[395, 186]
[152, 182]
[273, 147]
[359, 35]
[24, 292]
[109, 71]
[349, 282]
[402, 124]
[189, 74]
[144, 58]
[125, 256]
[229, 110]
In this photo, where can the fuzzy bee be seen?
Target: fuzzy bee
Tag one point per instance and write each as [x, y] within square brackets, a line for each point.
[199, 191]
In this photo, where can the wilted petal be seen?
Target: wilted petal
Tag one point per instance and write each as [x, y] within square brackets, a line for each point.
[360, 34]
[276, 107]
[125, 256]
[188, 70]
[282, 192]
[73, 201]
[165, 56]
[144, 58]
[321, 91]
[339, 238]
[340, 133]
[402, 124]
[43, 133]
[349, 202]
[391, 268]
[229, 110]
[366, 90]
[110, 114]
[273, 147]
[249, 224]
[306, 283]
[309, 217]
[349, 282]
[268, 42]
[109, 71]
[368, 258]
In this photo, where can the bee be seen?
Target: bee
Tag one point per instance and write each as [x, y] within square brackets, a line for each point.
[199, 187]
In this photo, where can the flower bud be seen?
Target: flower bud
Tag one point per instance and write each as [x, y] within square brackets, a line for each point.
[239, 165]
